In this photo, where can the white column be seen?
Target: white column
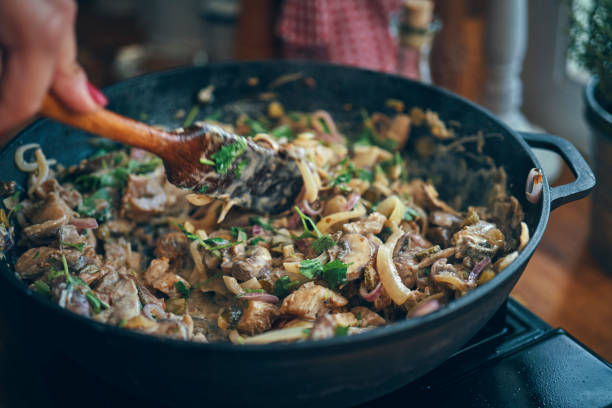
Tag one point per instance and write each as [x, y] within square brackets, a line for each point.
[505, 46]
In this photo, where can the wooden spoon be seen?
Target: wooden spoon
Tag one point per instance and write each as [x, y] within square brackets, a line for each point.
[203, 158]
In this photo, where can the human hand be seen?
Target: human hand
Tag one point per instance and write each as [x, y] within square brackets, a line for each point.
[38, 55]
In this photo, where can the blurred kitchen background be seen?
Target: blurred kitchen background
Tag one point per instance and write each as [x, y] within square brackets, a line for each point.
[508, 55]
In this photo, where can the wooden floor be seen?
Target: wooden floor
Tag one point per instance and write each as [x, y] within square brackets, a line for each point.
[564, 285]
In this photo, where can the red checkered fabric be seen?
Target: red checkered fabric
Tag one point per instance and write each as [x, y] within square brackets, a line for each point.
[349, 32]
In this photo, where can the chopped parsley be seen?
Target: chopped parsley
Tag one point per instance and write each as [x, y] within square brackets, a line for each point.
[239, 167]
[79, 247]
[247, 290]
[182, 289]
[42, 288]
[258, 221]
[193, 112]
[365, 175]
[206, 161]
[238, 233]
[90, 208]
[284, 286]
[96, 303]
[227, 154]
[36, 255]
[283, 131]
[203, 189]
[214, 245]
[310, 268]
[334, 273]
[321, 242]
[341, 331]
[410, 214]
[255, 241]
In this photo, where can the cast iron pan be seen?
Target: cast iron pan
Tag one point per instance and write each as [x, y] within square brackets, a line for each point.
[336, 372]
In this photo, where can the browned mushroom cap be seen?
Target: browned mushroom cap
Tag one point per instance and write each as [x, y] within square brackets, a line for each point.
[356, 251]
[258, 261]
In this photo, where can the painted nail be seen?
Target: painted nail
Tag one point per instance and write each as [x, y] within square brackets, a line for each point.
[97, 95]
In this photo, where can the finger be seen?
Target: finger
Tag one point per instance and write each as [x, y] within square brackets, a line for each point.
[70, 83]
[30, 32]
[27, 76]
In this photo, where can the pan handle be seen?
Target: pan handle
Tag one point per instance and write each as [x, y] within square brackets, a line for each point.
[585, 179]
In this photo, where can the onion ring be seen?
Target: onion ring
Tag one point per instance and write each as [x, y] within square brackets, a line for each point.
[533, 187]
[23, 165]
[351, 201]
[425, 308]
[478, 268]
[84, 223]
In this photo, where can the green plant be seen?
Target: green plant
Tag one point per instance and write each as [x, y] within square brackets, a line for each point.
[591, 42]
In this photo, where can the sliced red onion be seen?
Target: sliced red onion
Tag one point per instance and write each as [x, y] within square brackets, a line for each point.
[262, 297]
[151, 309]
[478, 268]
[257, 229]
[352, 200]
[332, 136]
[137, 154]
[305, 206]
[426, 308]
[370, 296]
[533, 187]
[84, 223]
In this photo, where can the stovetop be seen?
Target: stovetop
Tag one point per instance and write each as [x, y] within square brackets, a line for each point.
[516, 360]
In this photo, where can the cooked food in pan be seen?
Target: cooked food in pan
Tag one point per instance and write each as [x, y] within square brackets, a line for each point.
[369, 240]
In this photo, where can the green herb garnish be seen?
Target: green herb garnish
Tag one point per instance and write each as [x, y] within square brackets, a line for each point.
[207, 162]
[239, 167]
[283, 131]
[36, 255]
[334, 273]
[79, 247]
[182, 289]
[341, 331]
[365, 175]
[255, 241]
[310, 268]
[42, 288]
[247, 290]
[89, 207]
[284, 286]
[203, 189]
[227, 154]
[321, 242]
[256, 127]
[410, 214]
[193, 112]
[258, 221]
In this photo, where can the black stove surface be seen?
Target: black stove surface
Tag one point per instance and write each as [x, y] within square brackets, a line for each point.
[516, 360]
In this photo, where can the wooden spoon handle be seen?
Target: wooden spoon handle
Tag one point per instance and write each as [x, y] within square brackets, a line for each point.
[110, 125]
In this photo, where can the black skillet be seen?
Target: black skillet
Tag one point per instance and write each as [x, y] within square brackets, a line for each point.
[336, 372]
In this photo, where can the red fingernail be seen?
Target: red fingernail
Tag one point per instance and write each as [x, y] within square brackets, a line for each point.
[97, 95]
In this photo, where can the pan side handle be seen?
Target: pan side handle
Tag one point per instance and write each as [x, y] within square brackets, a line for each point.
[585, 179]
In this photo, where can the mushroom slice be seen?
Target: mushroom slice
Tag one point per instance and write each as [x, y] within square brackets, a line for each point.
[356, 252]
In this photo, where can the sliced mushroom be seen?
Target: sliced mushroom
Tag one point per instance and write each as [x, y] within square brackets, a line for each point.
[258, 262]
[356, 252]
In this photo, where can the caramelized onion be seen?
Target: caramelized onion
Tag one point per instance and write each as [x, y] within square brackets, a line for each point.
[305, 206]
[533, 187]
